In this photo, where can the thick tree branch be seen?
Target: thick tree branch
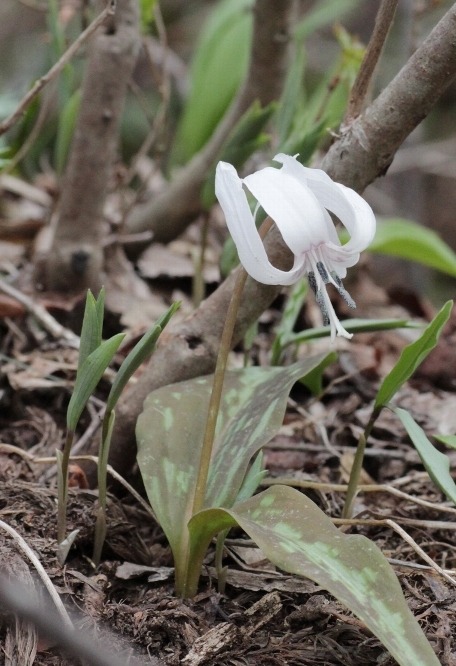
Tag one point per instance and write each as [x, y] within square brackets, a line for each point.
[168, 214]
[360, 156]
[366, 149]
[76, 257]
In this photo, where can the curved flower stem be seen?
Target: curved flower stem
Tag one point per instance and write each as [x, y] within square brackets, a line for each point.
[357, 466]
[216, 395]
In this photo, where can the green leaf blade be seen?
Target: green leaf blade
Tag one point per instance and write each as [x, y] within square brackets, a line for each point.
[88, 377]
[437, 464]
[408, 240]
[170, 433]
[90, 332]
[137, 356]
[299, 538]
[412, 356]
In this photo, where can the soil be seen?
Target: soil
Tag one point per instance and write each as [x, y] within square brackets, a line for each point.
[265, 617]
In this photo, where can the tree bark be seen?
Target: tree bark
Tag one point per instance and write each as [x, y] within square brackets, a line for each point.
[362, 154]
[76, 257]
[168, 214]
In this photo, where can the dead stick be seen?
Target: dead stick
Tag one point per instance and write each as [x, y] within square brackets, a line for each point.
[57, 68]
[46, 320]
[358, 93]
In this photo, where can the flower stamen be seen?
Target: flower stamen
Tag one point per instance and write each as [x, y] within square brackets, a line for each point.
[342, 291]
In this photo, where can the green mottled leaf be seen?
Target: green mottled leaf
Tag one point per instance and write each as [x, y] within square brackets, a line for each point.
[299, 538]
[88, 377]
[138, 355]
[409, 240]
[170, 434]
[412, 356]
[437, 464]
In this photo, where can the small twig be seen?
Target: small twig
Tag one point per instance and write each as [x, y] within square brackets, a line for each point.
[15, 598]
[391, 523]
[367, 488]
[358, 93]
[46, 320]
[57, 68]
[41, 572]
[9, 448]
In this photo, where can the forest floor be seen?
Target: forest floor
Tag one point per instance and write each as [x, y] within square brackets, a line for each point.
[265, 617]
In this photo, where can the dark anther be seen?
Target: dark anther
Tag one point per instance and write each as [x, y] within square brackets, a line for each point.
[323, 272]
[312, 281]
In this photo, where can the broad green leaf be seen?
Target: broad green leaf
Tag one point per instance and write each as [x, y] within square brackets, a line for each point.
[350, 325]
[88, 377]
[411, 357]
[299, 538]
[91, 330]
[137, 356]
[218, 68]
[170, 433]
[437, 464]
[409, 240]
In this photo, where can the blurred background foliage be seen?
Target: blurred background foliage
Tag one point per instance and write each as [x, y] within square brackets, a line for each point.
[206, 57]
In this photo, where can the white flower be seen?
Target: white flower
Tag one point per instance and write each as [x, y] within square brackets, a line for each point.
[298, 200]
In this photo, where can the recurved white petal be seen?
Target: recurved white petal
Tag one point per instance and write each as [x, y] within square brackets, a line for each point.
[292, 206]
[351, 209]
[240, 222]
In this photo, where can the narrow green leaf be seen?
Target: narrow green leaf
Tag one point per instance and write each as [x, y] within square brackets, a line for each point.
[88, 377]
[437, 464]
[299, 538]
[65, 130]
[448, 440]
[100, 312]
[137, 356]
[246, 138]
[90, 332]
[412, 241]
[323, 13]
[412, 356]
[314, 379]
[293, 306]
[350, 325]
[252, 479]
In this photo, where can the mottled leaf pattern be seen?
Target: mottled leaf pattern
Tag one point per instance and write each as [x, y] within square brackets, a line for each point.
[170, 433]
[299, 538]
